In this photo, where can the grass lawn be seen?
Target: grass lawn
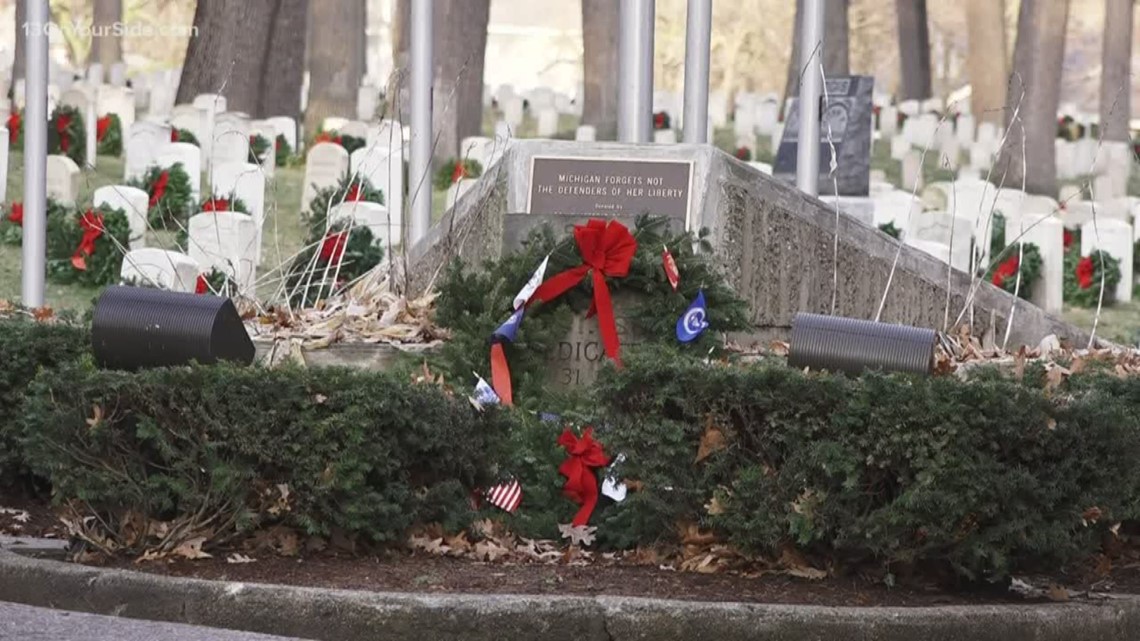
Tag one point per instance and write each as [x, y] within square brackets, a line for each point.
[285, 230]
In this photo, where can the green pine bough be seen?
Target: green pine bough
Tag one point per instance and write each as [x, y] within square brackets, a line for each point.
[1083, 277]
[1023, 259]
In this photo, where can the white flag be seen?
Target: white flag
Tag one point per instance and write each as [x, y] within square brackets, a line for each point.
[532, 284]
[484, 395]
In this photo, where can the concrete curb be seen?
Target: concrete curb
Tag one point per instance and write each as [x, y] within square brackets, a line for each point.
[346, 615]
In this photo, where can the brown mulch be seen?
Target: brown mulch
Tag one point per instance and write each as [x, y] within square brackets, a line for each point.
[426, 573]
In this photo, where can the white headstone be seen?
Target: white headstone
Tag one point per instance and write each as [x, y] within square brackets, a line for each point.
[941, 251]
[889, 121]
[665, 136]
[718, 108]
[965, 129]
[325, 164]
[374, 216]
[118, 75]
[209, 106]
[1115, 237]
[62, 179]
[367, 101]
[953, 231]
[383, 166]
[1047, 234]
[547, 122]
[477, 148]
[512, 109]
[896, 207]
[586, 133]
[230, 140]
[134, 203]
[116, 100]
[246, 182]
[95, 73]
[285, 126]
[912, 171]
[909, 107]
[144, 140]
[268, 159]
[225, 241]
[354, 128]
[3, 164]
[160, 268]
[190, 158]
[900, 147]
[187, 117]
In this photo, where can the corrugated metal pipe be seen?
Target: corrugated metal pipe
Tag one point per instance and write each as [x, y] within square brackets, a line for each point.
[850, 345]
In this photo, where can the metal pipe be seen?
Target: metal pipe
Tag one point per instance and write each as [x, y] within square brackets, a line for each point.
[698, 38]
[851, 345]
[811, 86]
[420, 81]
[34, 251]
[635, 70]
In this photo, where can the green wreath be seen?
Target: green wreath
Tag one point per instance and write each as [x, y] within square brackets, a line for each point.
[12, 220]
[258, 145]
[66, 134]
[314, 273]
[445, 175]
[283, 150]
[472, 303]
[183, 135]
[1026, 259]
[890, 230]
[71, 260]
[109, 135]
[348, 189]
[1083, 275]
[170, 196]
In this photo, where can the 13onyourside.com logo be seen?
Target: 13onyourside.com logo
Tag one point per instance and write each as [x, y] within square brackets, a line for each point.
[82, 29]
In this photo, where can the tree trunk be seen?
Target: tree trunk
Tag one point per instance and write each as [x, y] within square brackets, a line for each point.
[227, 55]
[106, 48]
[460, 47]
[18, 63]
[987, 59]
[835, 48]
[336, 60]
[284, 62]
[914, 49]
[1116, 71]
[600, 66]
[1034, 92]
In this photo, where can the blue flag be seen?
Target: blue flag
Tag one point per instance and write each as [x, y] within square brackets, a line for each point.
[509, 330]
[693, 322]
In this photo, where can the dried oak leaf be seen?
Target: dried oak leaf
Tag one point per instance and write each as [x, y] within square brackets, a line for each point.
[711, 441]
[42, 313]
[490, 551]
[239, 558]
[578, 534]
[192, 549]
[96, 417]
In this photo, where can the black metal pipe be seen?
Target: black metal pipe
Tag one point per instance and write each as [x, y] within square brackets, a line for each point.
[853, 346]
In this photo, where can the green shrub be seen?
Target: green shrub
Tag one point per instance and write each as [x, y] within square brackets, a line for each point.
[28, 347]
[366, 454]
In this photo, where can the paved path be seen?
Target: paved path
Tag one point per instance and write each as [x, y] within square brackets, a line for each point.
[24, 623]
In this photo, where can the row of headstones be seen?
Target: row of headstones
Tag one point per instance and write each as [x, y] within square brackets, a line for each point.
[958, 218]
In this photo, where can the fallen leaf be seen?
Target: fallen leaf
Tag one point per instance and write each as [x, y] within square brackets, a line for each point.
[711, 441]
[578, 534]
[691, 534]
[96, 417]
[489, 551]
[714, 506]
[796, 565]
[1091, 515]
[1056, 592]
[808, 573]
[192, 549]
[320, 399]
[431, 546]
[42, 313]
[239, 558]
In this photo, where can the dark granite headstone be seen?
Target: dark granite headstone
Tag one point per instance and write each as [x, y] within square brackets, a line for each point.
[848, 112]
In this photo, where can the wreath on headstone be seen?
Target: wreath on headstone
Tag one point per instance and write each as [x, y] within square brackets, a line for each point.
[1024, 258]
[258, 146]
[282, 150]
[12, 220]
[350, 143]
[1069, 129]
[1083, 277]
[452, 171]
[109, 135]
[170, 195]
[66, 134]
[87, 247]
[661, 121]
[346, 190]
[15, 125]
[183, 135]
[890, 230]
[743, 153]
[474, 301]
[182, 238]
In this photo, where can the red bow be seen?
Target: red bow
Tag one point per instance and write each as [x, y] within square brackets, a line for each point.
[13, 125]
[159, 188]
[581, 482]
[16, 214]
[607, 249]
[332, 249]
[1008, 269]
[355, 193]
[92, 226]
[326, 136]
[174, 134]
[459, 173]
[1085, 272]
[216, 204]
[201, 286]
[101, 126]
[61, 127]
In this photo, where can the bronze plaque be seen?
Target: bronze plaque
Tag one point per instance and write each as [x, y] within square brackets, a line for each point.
[602, 186]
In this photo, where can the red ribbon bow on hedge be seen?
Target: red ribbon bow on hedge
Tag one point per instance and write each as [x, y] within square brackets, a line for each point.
[102, 125]
[92, 226]
[607, 249]
[16, 214]
[581, 481]
[61, 125]
[159, 188]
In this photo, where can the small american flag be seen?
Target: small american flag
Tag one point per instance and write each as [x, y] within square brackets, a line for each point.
[506, 496]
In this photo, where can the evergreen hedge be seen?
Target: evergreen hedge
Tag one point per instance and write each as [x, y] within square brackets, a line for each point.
[983, 477]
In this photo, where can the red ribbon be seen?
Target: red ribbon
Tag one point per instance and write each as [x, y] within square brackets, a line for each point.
[1085, 272]
[581, 481]
[355, 193]
[102, 125]
[201, 286]
[92, 226]
[13, 125]
[16, 214]
[216, 204]
[607, 249]
[174, 134]
[501, 374]
[159, 188]
[332, 248]
[61, 128]
[459, 173]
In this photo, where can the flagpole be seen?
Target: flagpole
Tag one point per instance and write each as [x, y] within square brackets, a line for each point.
[33, 268]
